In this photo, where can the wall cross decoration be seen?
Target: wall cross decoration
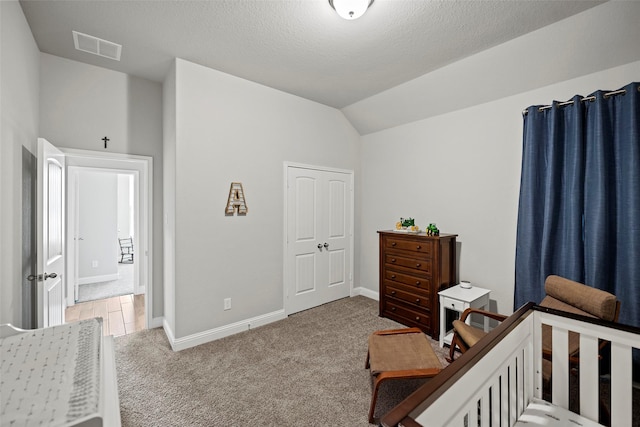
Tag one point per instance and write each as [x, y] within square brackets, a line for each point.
[105, 139]
[236, 200]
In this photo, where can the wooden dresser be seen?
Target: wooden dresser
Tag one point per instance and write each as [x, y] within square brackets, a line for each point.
[413, 269]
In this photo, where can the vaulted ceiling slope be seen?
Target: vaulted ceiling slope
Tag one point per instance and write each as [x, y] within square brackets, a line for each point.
[297, 46]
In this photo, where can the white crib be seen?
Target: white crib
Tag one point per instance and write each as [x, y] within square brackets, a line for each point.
[500, 378]
[59, 376]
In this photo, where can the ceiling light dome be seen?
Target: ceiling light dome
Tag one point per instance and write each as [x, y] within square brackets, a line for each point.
[350, 9]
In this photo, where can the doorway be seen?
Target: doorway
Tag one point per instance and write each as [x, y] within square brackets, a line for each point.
[103, 227]
[318, 241]
[131, 177]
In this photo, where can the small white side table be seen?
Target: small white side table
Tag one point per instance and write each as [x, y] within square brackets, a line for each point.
[458, 299]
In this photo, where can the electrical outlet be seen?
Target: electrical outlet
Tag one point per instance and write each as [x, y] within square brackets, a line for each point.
[94, 263]
[227, 303]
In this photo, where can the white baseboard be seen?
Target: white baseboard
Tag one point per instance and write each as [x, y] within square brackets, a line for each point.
[193, 340]
[156, 322]
[97, 279]
[168, 332]
[366, 292]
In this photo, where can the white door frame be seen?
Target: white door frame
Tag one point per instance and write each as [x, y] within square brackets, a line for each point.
[288, 281]
[125, 163]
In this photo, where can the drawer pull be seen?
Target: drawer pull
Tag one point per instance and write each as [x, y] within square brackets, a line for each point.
[393, 276]
[417, 318]
[417, 300]
[453, 305]
[393, 243]
[417, 283]
[418, 265]
[393, 292]
[393, 309]
[418, 247]
[393, 260]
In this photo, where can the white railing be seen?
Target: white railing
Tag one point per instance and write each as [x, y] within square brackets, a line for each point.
[493, 384]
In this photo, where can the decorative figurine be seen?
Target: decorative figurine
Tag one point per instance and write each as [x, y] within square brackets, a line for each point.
[432, 230]
[407, 222]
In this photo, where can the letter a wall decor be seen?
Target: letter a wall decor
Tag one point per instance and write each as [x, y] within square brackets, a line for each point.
[236, 201]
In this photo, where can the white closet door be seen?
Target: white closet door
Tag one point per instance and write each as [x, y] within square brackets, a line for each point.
[319, 249]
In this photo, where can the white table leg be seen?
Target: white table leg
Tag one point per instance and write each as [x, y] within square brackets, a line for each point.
[443, 327]
[486, 319]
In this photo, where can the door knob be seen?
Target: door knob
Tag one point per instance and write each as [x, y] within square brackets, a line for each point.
[319, 245]
[326, 245]
[44, 276]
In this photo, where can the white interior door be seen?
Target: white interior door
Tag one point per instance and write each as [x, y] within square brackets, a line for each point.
[319, 237]
[50, 234]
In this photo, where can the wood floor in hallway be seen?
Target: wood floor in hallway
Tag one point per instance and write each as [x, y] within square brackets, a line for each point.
[120, 315]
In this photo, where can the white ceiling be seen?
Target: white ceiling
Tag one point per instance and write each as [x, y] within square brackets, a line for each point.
[297, 46]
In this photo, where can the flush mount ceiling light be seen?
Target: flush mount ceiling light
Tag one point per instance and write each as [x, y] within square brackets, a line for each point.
[350, 9]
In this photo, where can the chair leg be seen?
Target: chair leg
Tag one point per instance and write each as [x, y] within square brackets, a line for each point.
[452, 348]
[366, 364]
[374, 397]
[455, 341]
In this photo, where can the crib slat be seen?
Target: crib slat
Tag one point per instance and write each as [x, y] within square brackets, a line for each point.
[520, 392]
[589, 398]
[621, 385]
[560, 369]
[536, 360]
[504, 392]
[495, 401]
[485, 410]
[471, 409]
[513, 393]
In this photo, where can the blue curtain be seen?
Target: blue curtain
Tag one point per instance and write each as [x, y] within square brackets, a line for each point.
[579, 210]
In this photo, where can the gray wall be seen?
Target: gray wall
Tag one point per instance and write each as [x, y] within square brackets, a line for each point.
[461, 169]
[80, 104]
[98, 226]
[169, 124]
[232, 130]
[19, 88]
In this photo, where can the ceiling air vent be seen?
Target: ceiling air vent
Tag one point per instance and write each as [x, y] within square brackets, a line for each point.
[100, 47]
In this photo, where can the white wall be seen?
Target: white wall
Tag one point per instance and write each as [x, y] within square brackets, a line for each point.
[461, 170]
[125, 206]
[80, 104]
[169, 123]
[19, 90]
[98, 226]
[230, 129]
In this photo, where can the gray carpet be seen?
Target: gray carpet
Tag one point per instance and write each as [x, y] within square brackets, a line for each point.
[305, 370]
[122, 286]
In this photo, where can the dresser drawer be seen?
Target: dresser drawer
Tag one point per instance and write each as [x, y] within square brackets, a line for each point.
[453, 304]
[420, 301]
[423, 247]
[407, 279]
[413, 290]
[424, 265]
[414, 316]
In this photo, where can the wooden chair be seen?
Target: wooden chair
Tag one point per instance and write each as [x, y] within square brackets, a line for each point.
[126, 249]
[399, 354]
[562, 294]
